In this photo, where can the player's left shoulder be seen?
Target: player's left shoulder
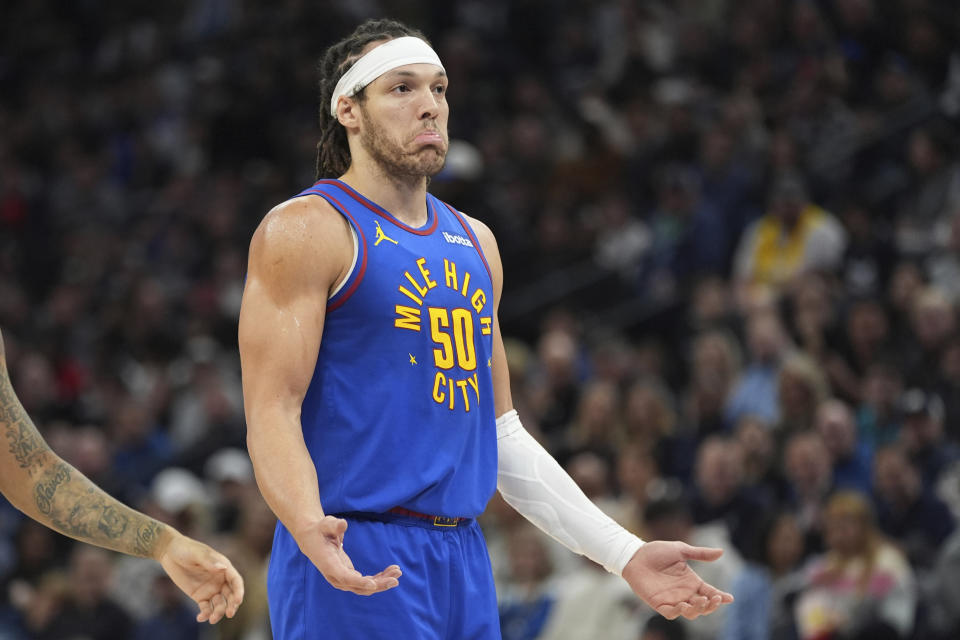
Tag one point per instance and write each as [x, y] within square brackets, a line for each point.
[488, 242]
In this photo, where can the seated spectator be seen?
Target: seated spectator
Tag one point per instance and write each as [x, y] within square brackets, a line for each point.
[906, 511]
[801, 387]
[527, 600]
[762, 471]
[719, 494]
[87, 610]
[810, 478]
[922, 435]
[793, 237]
[862, 587]
[637, 472]
[851, 460]
[650, 419]
[173, 619]
[764, 587]
[715, 365]
[878, 417]
[933, 322]
[755, 392]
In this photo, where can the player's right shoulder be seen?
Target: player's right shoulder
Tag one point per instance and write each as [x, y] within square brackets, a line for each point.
[304, 234]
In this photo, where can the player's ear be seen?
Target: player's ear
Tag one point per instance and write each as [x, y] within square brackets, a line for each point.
[348, 112]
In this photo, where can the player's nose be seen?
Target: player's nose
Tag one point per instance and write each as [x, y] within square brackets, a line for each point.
[429, 105]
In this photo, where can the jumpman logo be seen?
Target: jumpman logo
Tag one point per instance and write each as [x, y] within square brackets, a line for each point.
[381, 235]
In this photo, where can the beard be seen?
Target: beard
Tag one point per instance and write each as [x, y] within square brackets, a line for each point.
[425, 162]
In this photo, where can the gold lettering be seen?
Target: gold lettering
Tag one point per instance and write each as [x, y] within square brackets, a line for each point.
[407, 293]
[422, 290]
[438, 380]
[474, 382]
[426, 274]
[407, 318]
[478, 300]
[466, 283]
[450, 274]
[486, 327]
[466, 399]
[450, 382]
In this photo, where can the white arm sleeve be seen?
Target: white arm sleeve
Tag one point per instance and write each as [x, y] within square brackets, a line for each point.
[534, 484]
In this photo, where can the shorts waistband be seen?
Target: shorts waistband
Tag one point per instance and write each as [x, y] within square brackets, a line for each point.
[406, 516]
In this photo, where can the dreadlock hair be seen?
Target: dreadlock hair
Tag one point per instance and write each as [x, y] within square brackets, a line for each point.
[333, 152]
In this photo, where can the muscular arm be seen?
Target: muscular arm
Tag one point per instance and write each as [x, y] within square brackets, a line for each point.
[39, 483]
[295, 257]
[300, 251]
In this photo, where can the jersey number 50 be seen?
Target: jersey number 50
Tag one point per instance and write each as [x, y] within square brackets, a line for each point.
[452, 331]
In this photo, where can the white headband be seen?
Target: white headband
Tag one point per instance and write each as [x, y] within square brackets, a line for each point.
[376, 62]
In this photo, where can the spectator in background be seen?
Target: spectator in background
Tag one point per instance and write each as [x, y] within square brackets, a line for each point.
[922, 435]
[719, 494]
[88, 610]
[933, 321]
[923, 219]
[596, 421]
[141, 448]
[862, 586]
[764, 587]
[715, 365]
[909, 513]
[807, 465]
[528, 599]
[637, 475]
[173, 618]
[851, 459]
[650, 420]
[689, 237]
[762, 471]
[801, 387]
[793, 237]
[878, 416]
[755, 392]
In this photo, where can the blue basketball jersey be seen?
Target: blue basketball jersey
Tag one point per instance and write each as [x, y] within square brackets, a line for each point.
[399, 412]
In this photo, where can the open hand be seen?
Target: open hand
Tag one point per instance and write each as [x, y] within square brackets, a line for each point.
[659, 574]
[323, 544]
[205, 575]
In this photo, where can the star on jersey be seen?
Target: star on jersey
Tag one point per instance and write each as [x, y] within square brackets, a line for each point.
[412, 359]
[381, 236]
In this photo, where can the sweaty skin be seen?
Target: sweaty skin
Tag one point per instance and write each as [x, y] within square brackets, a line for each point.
[42, 485]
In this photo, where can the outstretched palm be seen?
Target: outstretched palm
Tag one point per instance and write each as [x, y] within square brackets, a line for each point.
[206, 576]
[660, 575]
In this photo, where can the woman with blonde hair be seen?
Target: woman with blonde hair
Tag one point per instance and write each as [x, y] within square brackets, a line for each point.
[862, 586]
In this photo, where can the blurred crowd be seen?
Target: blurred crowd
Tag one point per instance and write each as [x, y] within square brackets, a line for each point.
[731, 241]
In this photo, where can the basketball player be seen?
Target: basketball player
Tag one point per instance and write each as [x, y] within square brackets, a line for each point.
[376, 389]
[38, 482]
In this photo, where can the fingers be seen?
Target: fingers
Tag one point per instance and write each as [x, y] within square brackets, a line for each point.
[219, 604]
[205, 610]
[707, 554]
[697, 606]
[355, 582]
[233, 590]
[712, 592]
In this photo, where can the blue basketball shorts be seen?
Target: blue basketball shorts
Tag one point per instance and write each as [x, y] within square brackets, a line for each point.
[446, 591]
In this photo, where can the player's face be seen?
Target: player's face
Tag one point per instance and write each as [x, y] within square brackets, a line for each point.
[405, 121]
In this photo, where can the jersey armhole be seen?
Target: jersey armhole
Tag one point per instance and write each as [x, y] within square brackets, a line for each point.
[353, 265]
[358, 266]
[473, 237]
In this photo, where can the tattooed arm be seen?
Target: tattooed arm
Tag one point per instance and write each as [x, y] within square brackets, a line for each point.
[39, 483]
